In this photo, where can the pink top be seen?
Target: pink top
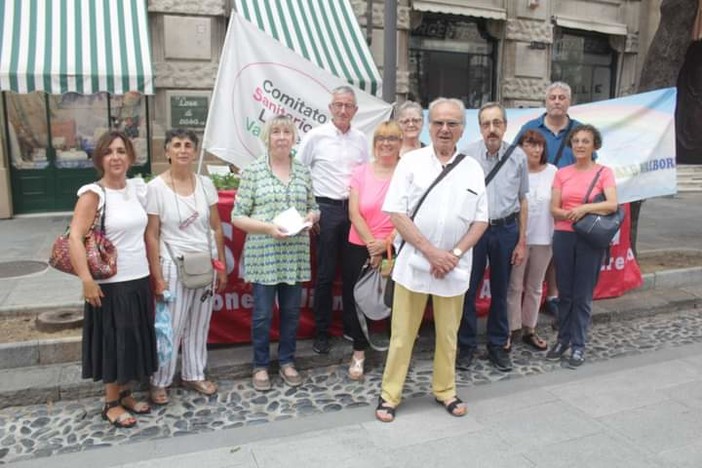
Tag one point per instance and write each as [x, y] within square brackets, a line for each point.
[371, 194]
[573, 185]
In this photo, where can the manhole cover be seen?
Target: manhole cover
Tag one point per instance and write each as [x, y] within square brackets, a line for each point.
[21, 268]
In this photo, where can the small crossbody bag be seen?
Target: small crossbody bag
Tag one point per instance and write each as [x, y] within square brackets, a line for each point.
[195, 269]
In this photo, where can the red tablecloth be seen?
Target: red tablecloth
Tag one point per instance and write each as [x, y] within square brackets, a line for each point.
[231, 319]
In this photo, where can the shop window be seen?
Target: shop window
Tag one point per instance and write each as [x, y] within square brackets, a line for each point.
[586, 62]
[28, 136]
[451, 56]
[75, 121]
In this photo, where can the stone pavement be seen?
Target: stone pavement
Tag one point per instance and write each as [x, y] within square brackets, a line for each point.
[636, 402]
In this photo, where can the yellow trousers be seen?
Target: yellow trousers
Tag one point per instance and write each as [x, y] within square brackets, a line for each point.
[407, 312]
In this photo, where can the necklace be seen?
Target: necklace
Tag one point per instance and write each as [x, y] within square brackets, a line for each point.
[184, 223]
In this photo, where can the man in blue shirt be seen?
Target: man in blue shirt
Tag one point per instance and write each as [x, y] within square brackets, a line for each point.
[555, 124]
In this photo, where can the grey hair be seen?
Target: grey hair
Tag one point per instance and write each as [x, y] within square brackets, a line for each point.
[344, 89]
[277, 121]
[559, 85]
[490, 105]
[453, 101]
[407, 106]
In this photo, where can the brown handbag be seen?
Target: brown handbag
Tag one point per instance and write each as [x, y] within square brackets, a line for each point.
[100, 252]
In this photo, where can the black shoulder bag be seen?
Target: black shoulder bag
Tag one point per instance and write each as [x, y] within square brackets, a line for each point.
[390, 286]
[499, 164]
[598, 230]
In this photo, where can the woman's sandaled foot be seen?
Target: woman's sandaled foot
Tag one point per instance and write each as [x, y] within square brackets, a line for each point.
[384, 412]
[261, 381]
[129, 402]
[116, 415]
[454, 406]
[356, 368]
[159, 395]
[204, 387]
[290, 375]
[535, 341]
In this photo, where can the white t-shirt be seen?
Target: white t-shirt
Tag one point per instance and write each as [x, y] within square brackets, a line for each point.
[191, 212]
[332, 156]
[444, 218]
[125, 223]
[540, 221]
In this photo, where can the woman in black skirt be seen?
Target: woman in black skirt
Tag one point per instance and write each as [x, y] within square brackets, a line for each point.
[119, 343]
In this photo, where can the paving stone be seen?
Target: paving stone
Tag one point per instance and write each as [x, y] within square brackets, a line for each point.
[67, 426]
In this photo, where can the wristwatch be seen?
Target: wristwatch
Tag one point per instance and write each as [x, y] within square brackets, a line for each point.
[457, 252]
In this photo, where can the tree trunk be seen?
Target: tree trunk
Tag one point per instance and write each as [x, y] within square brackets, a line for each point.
[663, 62]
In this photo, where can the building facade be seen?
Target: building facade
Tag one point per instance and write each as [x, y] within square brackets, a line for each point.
[476, 50]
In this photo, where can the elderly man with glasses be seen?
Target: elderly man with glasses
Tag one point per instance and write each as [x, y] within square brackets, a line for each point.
[504, 242]
[438, 235]
[332, 151]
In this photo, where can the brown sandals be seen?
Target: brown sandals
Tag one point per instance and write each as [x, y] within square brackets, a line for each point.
[204, 387]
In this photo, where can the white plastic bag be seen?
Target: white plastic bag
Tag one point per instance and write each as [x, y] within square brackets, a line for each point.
[164, 329]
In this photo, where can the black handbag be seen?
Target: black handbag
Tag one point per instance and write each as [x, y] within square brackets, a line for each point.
[389, 294]
[595, 229]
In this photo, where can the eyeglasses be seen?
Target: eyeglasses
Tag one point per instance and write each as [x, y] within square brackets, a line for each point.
[533, 144]
[389, 139]
[579, 141]
[413, 121]
[188, 221]
[343, 105]
[451, 124]
[494, 123]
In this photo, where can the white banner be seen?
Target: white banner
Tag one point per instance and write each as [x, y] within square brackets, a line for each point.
[258, 77]
[638, 139]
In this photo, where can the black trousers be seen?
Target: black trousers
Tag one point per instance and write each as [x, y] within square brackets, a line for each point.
[354, 258]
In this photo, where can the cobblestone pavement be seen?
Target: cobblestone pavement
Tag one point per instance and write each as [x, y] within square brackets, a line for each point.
[44, 430]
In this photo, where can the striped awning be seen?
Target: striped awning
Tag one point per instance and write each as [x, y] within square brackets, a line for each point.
[324, 32]
[83, 46]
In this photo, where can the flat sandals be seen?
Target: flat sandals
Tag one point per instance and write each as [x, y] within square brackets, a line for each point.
[452, 407]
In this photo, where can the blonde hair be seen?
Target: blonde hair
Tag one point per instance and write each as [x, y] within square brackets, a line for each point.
[387, 128]
[275, 122]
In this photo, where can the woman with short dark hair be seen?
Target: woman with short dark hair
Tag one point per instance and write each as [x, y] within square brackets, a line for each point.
[577, 262]
[527, 278]
[183, 218]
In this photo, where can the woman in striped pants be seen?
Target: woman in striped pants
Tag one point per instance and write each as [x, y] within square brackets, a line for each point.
[183, 217]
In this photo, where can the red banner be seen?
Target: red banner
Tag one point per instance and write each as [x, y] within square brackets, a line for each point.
[231, 318]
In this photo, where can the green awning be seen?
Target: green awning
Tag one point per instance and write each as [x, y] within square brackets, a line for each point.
[324, 32]
[83, 46]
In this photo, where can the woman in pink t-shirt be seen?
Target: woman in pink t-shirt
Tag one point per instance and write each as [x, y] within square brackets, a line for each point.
[370, 228]
[577, 262]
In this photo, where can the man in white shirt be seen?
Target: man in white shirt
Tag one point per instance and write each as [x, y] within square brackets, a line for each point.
[436, 256]
[332, 151]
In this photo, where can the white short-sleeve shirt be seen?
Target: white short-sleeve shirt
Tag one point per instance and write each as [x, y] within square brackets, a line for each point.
[125, 223]
[184, 219]
[444, 218]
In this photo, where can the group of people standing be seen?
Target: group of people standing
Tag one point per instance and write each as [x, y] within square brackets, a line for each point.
[446, 212]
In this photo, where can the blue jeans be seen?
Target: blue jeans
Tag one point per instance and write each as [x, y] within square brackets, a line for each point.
[289, 301]
[578, 265]
[333, 236]
[497, 245]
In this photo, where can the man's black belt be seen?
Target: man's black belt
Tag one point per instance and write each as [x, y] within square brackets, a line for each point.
[331, 201]
[504, 221]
